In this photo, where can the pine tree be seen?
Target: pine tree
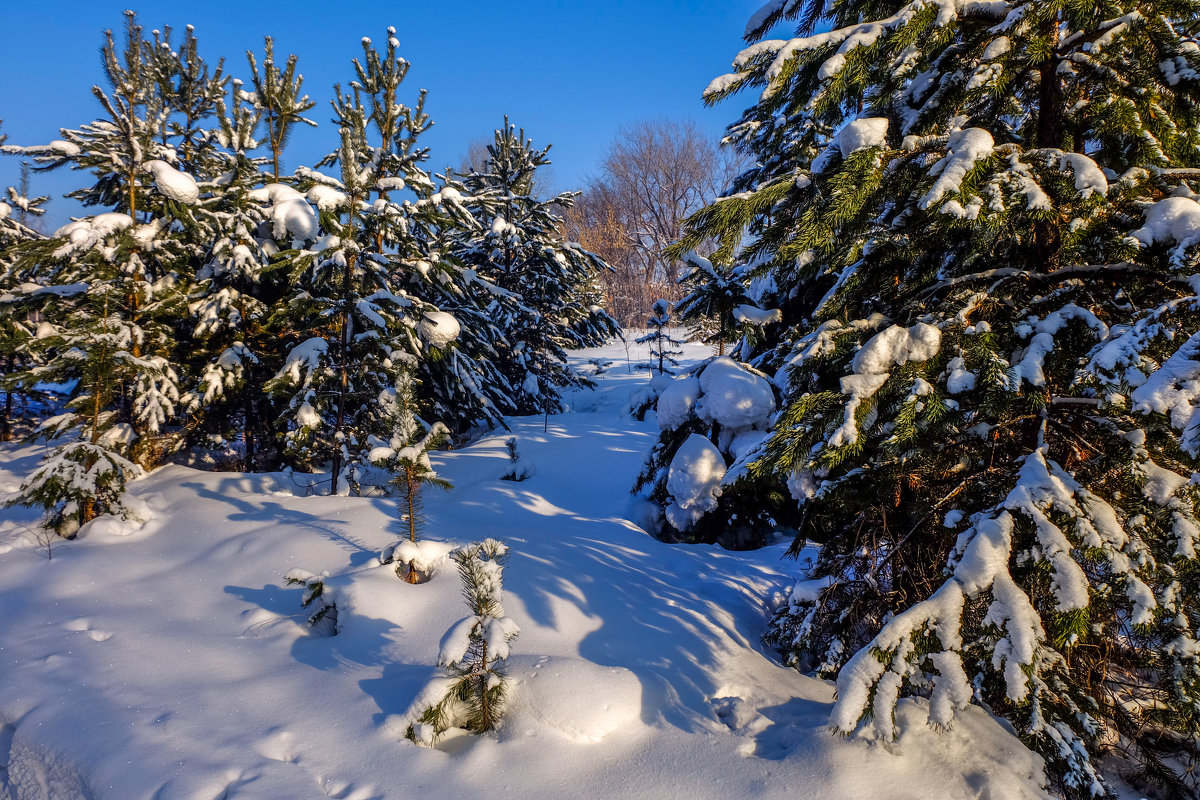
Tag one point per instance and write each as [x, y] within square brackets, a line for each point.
[473, 653]
[277, 95]
[662, 357]
[110, 284]
[540, 276]
[977, 221]
[406, 456]
[714, 294]
[357, 326]
[16, 330]
[235, 347]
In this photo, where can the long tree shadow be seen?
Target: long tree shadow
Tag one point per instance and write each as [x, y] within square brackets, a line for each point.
[672, 628]
[361, 640]
[270, 512]
[674, 615]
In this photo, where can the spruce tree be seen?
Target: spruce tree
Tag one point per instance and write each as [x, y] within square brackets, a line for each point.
[978, 223]
[109, 285]
[540, 276]
[714, 294]
[659, 339]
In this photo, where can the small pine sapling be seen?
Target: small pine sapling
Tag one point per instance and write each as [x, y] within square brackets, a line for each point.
[471, 695]
[318, 596]
[407, 457]
[661, 342]
[518, 468]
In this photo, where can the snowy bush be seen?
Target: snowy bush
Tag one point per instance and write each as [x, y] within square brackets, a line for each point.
[519, 468]
[712, 421]
[320, 597]
[472, 694]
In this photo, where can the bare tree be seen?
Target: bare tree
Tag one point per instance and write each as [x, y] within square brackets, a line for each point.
[654, 175]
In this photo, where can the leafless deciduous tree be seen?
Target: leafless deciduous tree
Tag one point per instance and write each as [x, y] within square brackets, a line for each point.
[654, 175]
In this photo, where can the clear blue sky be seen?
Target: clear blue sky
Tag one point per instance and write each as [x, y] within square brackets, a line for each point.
[570, 73]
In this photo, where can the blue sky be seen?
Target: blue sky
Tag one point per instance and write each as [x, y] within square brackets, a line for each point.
[570, 73]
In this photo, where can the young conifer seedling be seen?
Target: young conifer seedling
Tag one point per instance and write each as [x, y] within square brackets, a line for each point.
[472, 693]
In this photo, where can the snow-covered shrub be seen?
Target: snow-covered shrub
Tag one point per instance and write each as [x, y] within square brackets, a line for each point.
[518, 468]
[472, 693]
[320, 597]
[711, 422]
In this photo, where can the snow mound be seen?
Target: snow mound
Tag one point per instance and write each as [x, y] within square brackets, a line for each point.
[676, 402]
[172, 183]
[694, 481]
[578, 699]
[1175, 219]
[438, 329]
[860, 133]
[733, 396]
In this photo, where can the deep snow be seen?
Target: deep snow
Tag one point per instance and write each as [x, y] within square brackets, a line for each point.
[173, 663]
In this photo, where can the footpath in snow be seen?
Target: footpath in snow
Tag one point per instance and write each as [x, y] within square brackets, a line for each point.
[174, 664]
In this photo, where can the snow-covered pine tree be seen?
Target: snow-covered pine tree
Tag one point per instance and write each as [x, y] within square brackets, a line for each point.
[473, 652]
[406, 456]
[108, 285]
[362, 329]
[520, 249]
[978, 220]
[662, 356]
[16, 329]
[518, 468]
[277, 95]
[236, 348]
[317, 592]
[714, 293]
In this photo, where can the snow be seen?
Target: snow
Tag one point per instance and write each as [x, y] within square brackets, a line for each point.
[732, 396]
[694, 481]
[438, 329]
[676, 402]
[1174, 219]
[173, 662]
[1089, 179]
[171, 183]
[290, 212]
[84, 234]
[757, 316]
[860, 133]
[895, 346]
[872, 364]
[964, 149]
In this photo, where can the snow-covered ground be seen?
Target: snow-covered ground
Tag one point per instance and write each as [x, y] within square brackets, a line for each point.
[173, 663]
